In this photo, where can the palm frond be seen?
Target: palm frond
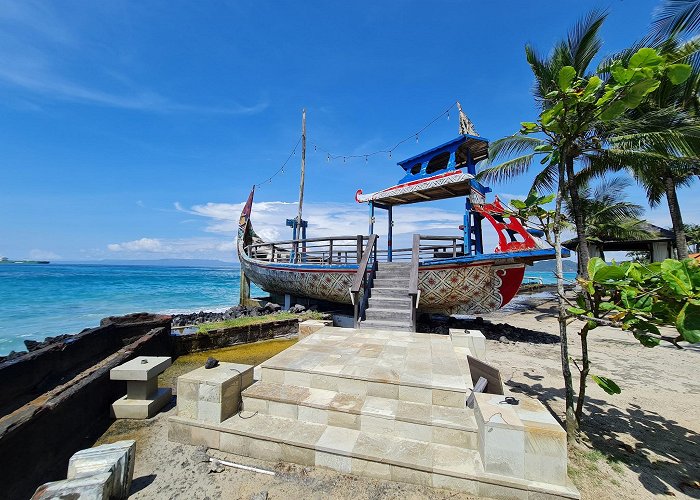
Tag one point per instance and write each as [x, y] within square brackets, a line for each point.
[513, 144]
[546, 180]
[584, 41]
[676, 16]
[506, 170]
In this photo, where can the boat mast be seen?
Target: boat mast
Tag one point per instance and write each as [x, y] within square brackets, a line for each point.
[303, 167]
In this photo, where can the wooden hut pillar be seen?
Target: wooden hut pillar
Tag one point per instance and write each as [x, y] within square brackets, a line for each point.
[390, 233]
[371, 218]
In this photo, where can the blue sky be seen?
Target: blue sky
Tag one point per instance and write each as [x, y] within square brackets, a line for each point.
[136, 129]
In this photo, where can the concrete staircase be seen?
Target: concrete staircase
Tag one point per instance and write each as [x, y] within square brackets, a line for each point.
[387, 405]
[389, 304]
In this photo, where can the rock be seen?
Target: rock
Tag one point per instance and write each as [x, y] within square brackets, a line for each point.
[503, 339]
[200, 455]
[272, 308]
[211, 363]
[259, 496]
[297, 309]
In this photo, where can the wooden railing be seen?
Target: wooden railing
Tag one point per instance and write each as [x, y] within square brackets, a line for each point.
[324, 251]
[413, 290]
[364, 280]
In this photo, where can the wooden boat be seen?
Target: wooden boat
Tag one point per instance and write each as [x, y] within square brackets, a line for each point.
[448, 274]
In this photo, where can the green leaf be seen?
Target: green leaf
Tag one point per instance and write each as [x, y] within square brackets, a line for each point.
[529, 126]
[647, 340]
[636, 93]
[688, 323]
[678, 73]
[606, 384]
[594, 265]
[613, 111]
[645, 58]
[566, 76]
[677, 276]
[592, 87]
[543, 148]
[519, 204]
[548, 116]
[621, 74]
[608, 272]
[576, 310]
[609, 94]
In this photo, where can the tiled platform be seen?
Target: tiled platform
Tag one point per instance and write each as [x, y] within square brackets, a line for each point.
[388, 405]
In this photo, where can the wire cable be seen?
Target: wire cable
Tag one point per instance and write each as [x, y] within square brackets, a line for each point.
[281, 169]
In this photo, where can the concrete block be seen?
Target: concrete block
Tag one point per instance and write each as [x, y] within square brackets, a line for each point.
[141, 368]
[93, 487]
[141, 408]
[117, 459]
[217, 391]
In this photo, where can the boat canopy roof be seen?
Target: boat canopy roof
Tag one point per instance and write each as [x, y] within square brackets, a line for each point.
[445, 171]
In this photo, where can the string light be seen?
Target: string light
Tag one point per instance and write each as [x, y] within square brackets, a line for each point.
[330, 156]
[281, 169]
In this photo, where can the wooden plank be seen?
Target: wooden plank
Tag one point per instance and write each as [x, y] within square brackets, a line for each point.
[480, 386]
[480, 369]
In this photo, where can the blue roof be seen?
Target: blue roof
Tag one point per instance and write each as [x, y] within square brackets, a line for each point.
[478, 147]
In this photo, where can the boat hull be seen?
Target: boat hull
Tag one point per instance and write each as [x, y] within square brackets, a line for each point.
[449, 288]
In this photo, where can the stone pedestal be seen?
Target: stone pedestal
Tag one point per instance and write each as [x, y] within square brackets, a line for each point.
[143, 397]
[212, 395]
[474, 340]
[310, 326]
[522, 441]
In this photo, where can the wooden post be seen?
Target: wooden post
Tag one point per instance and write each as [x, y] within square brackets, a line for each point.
[303, 172]
[390, 235]
[244, 297]
[359, 248]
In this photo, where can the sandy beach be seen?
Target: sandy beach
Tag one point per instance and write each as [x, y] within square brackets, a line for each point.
[643, 443]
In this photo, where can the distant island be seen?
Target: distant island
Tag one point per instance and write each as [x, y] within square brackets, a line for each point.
[570, 266]
[5, 260]
[156, 262]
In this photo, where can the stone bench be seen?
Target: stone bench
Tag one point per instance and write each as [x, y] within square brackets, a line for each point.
[143, 397]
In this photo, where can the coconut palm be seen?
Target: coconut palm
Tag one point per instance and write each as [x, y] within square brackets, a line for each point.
[578, 50]
[692, 231]
[607, 214]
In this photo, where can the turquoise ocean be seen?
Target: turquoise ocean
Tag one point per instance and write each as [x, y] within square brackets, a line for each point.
[38, 301]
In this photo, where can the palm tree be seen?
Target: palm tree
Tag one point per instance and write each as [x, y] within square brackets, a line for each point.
[577, 50]
[608, 215]
[659, 141]
[692, 231]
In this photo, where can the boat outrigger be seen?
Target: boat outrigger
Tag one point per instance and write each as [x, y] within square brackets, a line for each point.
[439, 274]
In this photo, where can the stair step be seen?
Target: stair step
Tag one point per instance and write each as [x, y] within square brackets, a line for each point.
[381, 291]
[388, 302]
[386, 325]
[418, 421]
[393, 315]
[391, 283]
[274, 439]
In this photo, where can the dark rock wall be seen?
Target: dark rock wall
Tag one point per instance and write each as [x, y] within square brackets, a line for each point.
[25, 377]
[37, 441]
[195, 342]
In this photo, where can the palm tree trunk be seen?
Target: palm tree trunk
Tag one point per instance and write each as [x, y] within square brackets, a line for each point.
[676, 217]
[571, 422]
[582, 250]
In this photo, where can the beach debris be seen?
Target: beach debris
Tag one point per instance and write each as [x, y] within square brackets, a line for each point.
[480, 386]
[242, 467]
[200, 455]
[95, 487]
[260, 496]
[211, 363]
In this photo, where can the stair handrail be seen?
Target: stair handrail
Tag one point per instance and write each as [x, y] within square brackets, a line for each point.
[361, 280]
[413, 290]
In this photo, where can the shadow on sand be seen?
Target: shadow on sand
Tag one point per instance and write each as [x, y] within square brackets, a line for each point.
[665, 452]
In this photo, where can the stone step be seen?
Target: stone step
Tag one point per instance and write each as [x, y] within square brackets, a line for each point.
[349, 451]
[381, 291]
[384, 302]
[395, 265]
[391, 283]
[411, 385]
[394, 315]
[386, 325]
[392, 273]
[418, 421]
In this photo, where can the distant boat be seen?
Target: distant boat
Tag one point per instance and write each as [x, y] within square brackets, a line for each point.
[442, 274]
[5, 260]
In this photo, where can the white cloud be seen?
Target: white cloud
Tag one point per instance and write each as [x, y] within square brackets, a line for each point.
[144, 244]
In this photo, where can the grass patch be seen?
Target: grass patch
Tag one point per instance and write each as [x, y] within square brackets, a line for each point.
[247, 354]
[257, 320]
